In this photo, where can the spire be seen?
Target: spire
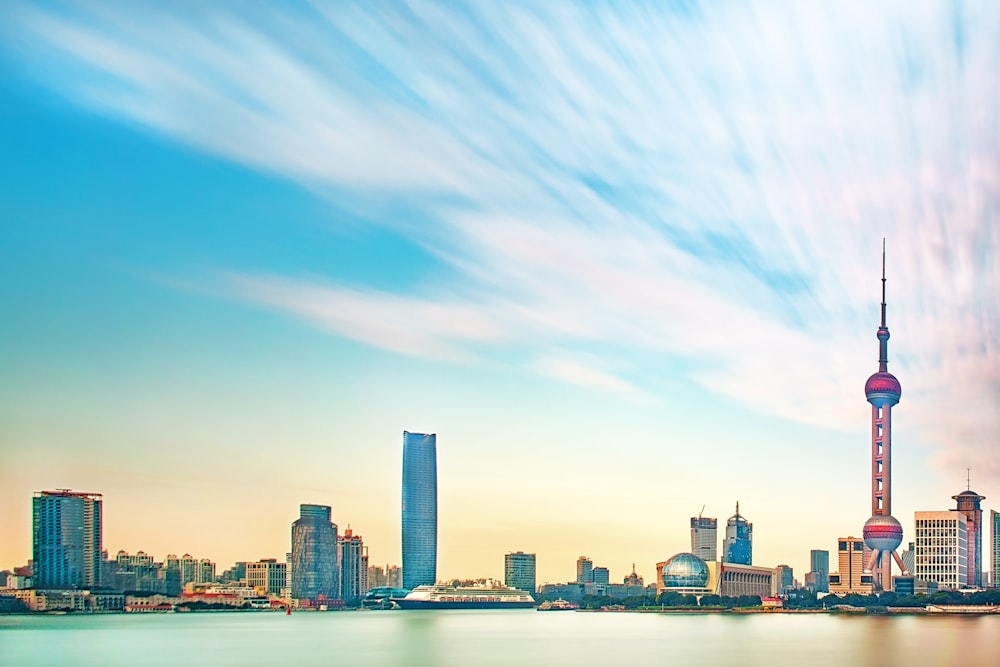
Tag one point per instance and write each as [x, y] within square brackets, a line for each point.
[968, 479]
[883, 330]
[737, 508]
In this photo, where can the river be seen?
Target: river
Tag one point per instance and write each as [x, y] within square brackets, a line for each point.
[498, 638]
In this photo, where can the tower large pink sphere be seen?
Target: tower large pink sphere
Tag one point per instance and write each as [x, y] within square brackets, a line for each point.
[882, 533]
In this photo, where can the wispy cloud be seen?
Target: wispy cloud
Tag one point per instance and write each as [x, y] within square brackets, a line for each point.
[707, 184]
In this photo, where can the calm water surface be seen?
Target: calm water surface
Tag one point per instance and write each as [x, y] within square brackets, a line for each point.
[502, 638]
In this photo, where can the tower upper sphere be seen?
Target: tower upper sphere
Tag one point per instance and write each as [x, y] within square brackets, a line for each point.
[883, 389]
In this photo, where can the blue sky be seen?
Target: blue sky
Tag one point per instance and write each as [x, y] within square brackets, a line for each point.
[623, 260]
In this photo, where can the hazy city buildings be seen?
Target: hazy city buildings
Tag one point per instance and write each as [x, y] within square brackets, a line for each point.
[850, 576]
[267, 576]
[969, 505]
[353, 566]
[942, 548]
[704, 538]
[66, 539]
[738, 545]
[314, 555]
[419, 524]
[519, 571]
[882, 532]
[600, 575]
[584, 570]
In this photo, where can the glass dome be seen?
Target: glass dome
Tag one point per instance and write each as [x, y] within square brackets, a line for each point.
[685, 570]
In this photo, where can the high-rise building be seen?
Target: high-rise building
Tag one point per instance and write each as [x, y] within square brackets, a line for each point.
[584, 570]
[519, 571]
[909, 556]
[314, 555]
[995, 548]
[819, 568]
[66, 539]
[600, 575]
[784, 579]
[419, 509]
[942, 548]
[850, 576]
[738, 545]
[353, 566]
[704, 538]
[205, 572]
[267, 576]
[882, 532]
[969, 505]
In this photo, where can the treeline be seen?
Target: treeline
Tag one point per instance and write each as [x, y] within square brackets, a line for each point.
[670, 599]
[803, 600]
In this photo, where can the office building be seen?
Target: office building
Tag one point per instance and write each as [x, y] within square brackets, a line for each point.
[66, 539]
[942, 549]
[600, 575]
[267, 576]
[818, 577]
[784, 579]
[519, 571]
[909, 557]
[995, 548]
[419, 524]
[850, 576]
[738, 545]
[882, 532]
[314, 555]
[704, 538]
[969, 506]
[353, 566]
[584, 570]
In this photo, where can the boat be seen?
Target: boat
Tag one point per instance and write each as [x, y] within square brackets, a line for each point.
[557, 605]
[477, 596]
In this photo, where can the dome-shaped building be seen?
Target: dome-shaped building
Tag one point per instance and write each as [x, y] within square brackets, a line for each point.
[683, 573]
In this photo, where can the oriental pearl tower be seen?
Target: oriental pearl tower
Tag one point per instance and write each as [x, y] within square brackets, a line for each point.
[882, 531]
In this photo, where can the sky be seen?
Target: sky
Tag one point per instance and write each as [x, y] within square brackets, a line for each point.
[624, 260]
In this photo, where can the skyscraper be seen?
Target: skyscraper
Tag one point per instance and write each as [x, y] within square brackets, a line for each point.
[995, 548]
[584, 570]
[738, 545]
[66, 539]
[419, 509]
[314, 554]
[850, 576]
[353, 566]
[819, 565]
[704, 538]
[882, 532]
[942, 540]
[969, 505]
[519, 571]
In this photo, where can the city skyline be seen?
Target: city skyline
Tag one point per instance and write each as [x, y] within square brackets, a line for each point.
[619, 261]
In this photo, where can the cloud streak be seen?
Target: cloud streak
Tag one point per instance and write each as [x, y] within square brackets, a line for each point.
[706, 185]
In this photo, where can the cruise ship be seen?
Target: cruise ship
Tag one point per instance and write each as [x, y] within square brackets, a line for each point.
[479, 596]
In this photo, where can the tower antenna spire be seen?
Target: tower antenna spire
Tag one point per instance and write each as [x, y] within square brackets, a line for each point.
[968, 479]
[883, 282]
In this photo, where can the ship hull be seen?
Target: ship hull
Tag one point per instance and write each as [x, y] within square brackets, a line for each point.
[472, 604]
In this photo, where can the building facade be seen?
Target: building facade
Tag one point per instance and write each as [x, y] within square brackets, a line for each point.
[600, 575]
[850, 576]
[995, 548]
[968, 504]
[519, 571]
[738, 546]
[819, 569]
[353, 566]
[267, 576]
[584, 570]
[315, 570]
[784, 579]
[942, 549]
[67, 539]
[705, 538]
[419, 520]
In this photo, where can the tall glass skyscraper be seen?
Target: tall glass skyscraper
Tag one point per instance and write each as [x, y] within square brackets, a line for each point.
[66, 539]
[738, 546]
[419, 509]
[995, 548]
[704, 539]
[314, 555]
